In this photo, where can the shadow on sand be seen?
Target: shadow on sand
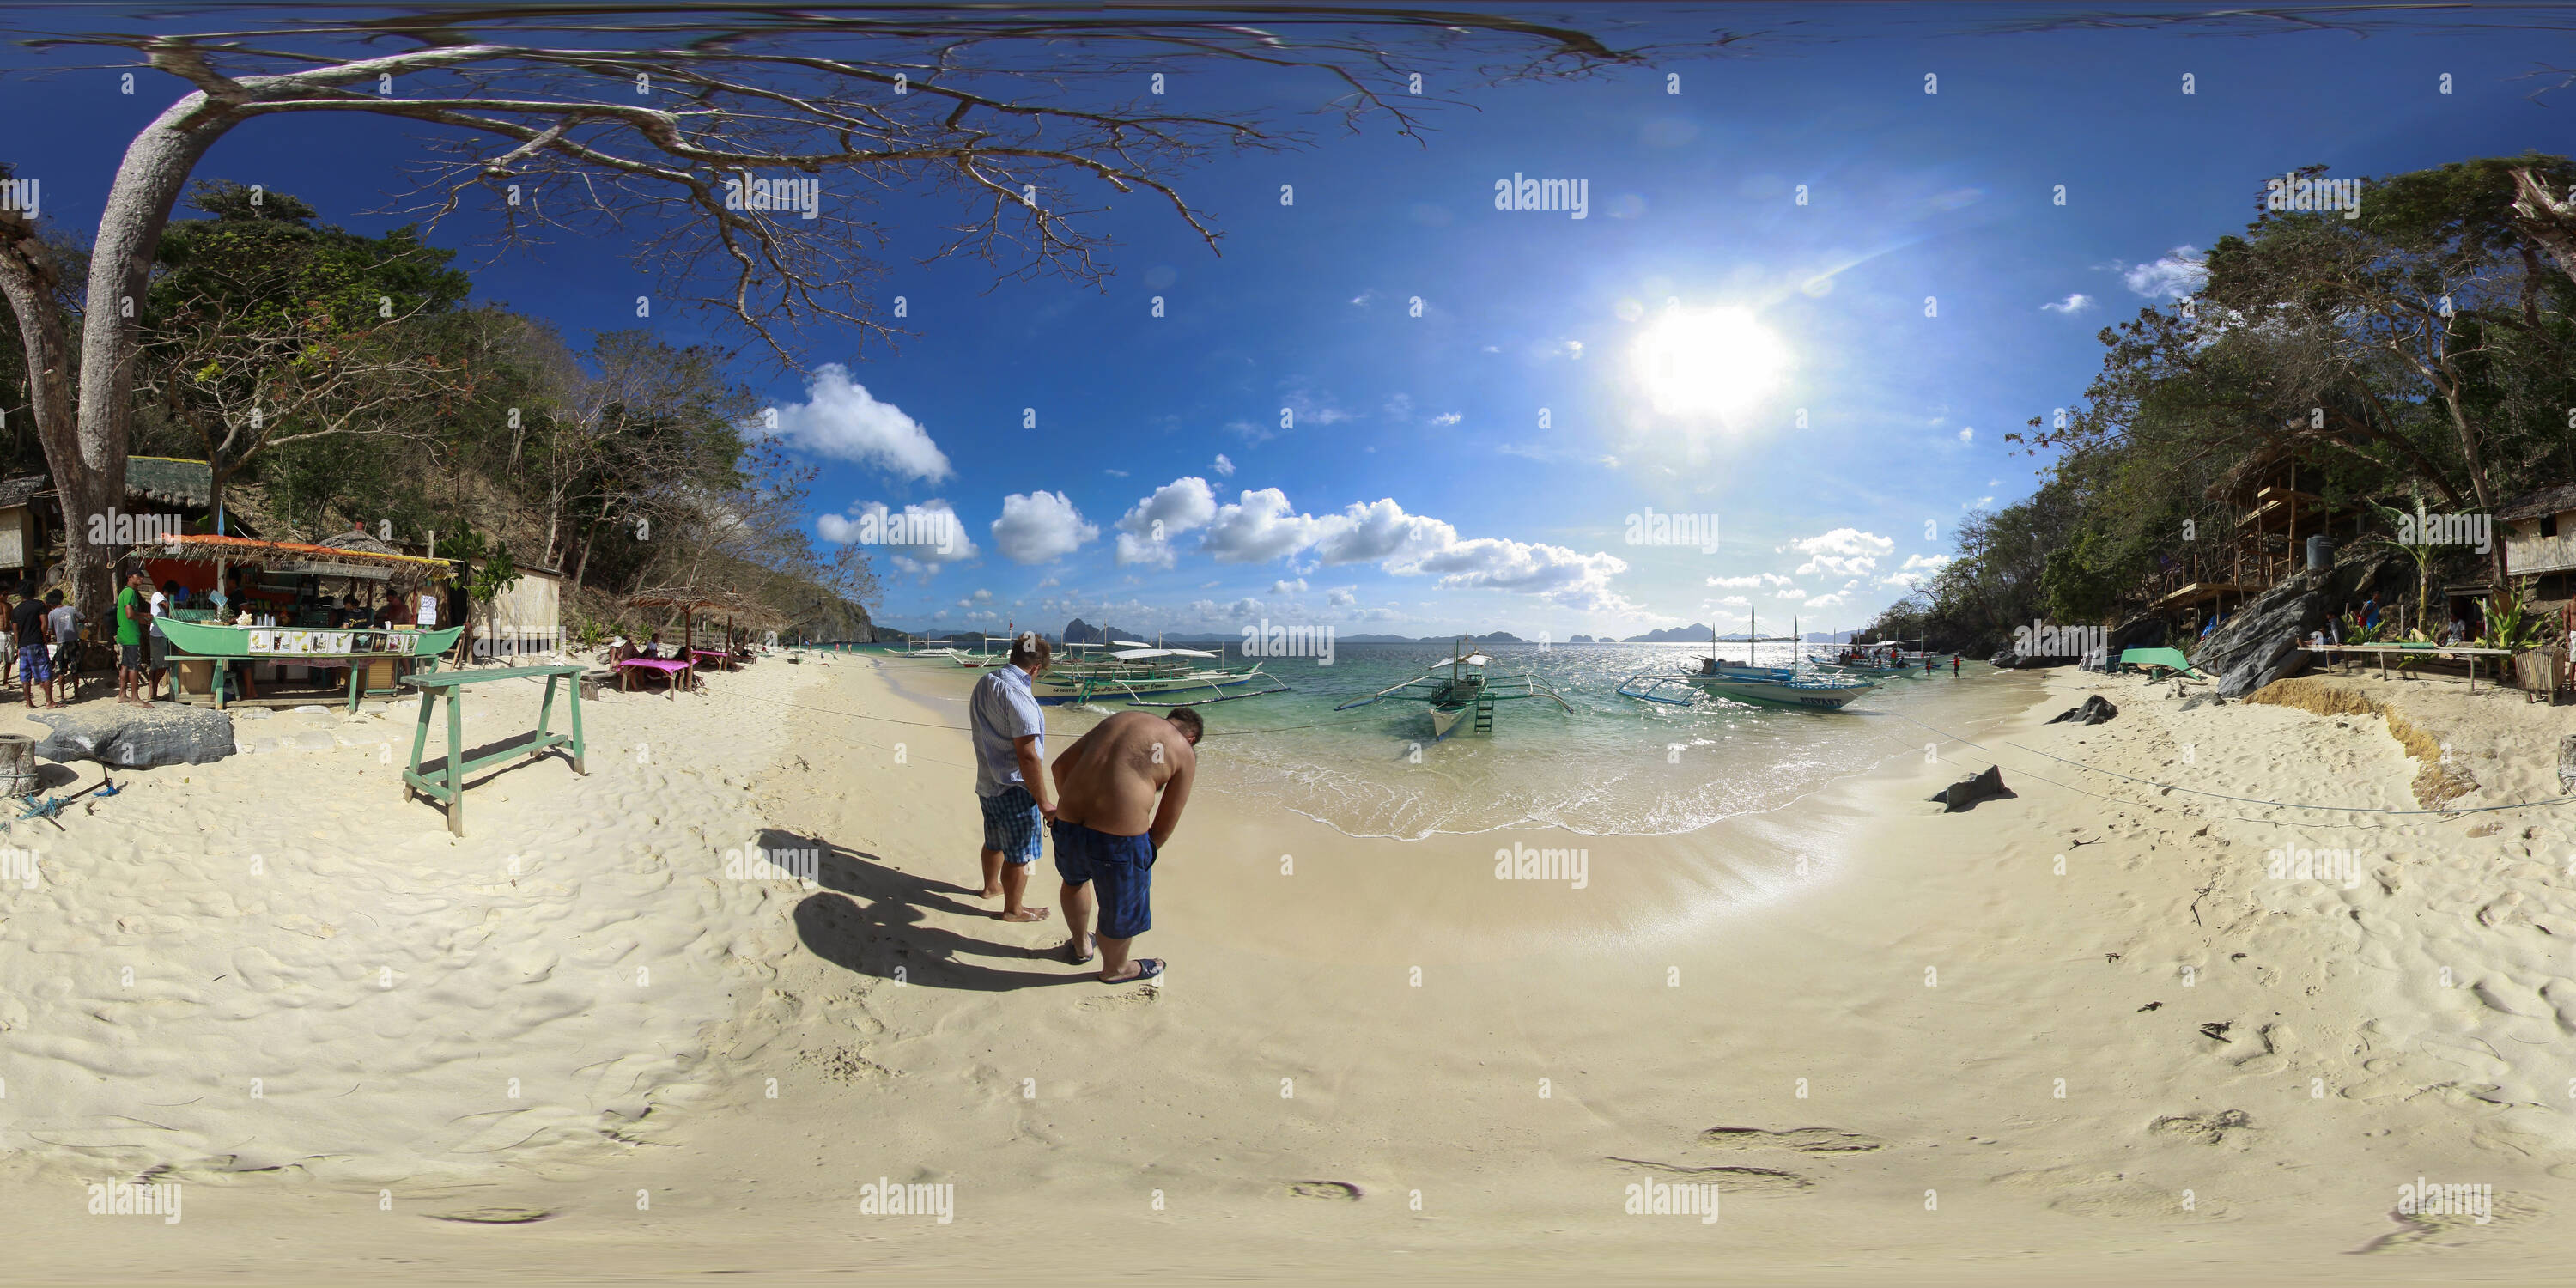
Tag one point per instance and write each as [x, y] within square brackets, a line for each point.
[883, 925]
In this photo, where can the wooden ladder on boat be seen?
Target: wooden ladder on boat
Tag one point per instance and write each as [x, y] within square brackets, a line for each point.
[1484, 714]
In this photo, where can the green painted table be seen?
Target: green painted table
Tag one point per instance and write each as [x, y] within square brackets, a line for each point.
[450, 787]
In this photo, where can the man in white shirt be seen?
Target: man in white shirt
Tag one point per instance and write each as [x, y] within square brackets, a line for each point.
[1011, 788]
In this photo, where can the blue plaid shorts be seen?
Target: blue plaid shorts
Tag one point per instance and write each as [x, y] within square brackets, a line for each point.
[1011, 822]
[33, 666]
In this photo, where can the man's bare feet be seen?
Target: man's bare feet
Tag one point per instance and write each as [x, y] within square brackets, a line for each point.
[1024, 914]
[993, 891]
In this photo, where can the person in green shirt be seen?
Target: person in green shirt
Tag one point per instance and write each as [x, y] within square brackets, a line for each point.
[130, 616]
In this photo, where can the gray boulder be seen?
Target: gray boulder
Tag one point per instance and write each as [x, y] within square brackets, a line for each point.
[1965, 793]
[2096, 710]
[2262, 642]
[132, 737]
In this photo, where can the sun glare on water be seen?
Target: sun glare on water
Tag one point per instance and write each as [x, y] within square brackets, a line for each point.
[1709, 362]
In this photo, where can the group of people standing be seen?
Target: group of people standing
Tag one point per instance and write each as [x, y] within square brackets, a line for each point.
[1110, 801]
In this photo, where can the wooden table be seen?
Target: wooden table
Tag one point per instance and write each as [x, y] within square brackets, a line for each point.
[678, 673]
[722, 658]
[2386, 650]
[356, 663]
[451, 788]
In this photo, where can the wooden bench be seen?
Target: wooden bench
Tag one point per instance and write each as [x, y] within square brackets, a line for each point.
[450, 788]
[678, 673]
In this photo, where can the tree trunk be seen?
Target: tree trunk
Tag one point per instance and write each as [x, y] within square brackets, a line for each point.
[88, 458]
[28, 278]
[2545, 219]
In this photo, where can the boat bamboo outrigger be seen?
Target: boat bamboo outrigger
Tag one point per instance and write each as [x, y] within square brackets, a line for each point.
[1781, 685]
[1466, 694]
[1156, 677]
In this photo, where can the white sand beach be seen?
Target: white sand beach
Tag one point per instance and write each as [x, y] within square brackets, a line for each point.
[2078, 1033]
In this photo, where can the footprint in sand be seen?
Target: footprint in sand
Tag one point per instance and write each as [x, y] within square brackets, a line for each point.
[2208, 1129]
[1342, 1190]
[1729, 1180]
[1805, 1140]
[494, 1216]
[1122, 1001]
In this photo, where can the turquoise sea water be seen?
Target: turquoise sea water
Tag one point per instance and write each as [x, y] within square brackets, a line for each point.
[1615, 766]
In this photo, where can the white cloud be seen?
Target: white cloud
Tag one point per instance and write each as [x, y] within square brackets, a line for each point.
[1790, 593]
[983, 597]
[1115, 474]
[1342, 596]
[1295, 587]
[1039, 526]
[841, 419]
[1257, 529]
[1968, 435]
[1577, 581]
[1918, 571]
[1447, 418]
[1145, 533]
[1747, 583]
[1224, 467]
[2180, 272]
[1379, 531]
[2071, 305]
[1843, 552]
[927, 534]
[1827, 601]
[1978, 504]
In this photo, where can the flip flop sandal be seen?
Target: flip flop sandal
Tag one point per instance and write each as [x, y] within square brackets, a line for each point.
[1146, 968]
[1072, 947]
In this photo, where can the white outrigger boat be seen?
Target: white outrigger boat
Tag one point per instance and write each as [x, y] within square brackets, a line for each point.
[1885, 658]
[1152, 677]
[1781, 685]
[1466, 694]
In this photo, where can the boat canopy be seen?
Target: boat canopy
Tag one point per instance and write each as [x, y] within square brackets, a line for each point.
[1140, 654]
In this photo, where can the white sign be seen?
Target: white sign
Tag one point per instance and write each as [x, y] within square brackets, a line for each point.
[300, 642]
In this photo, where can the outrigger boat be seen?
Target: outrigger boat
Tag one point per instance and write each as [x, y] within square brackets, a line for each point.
[1156, 677]
[1466, 695]
[1878, 659]
[1783, 685]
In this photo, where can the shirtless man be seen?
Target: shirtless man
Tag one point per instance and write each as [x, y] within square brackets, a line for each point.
[1109, 828]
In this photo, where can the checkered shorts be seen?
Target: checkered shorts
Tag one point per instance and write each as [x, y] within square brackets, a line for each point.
[1011, 822]
[33, 666]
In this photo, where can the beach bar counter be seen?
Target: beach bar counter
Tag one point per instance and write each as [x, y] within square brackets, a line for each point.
[281, 624]
[374, 658]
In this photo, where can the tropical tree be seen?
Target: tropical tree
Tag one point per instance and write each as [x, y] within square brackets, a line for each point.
[693, 137]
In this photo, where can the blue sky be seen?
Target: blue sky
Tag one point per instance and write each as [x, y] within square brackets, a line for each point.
[1417, 490]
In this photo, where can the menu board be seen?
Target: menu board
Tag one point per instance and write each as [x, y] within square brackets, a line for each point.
[303, 643]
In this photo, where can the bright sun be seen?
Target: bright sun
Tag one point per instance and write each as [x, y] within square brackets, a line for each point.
[1709, 361]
